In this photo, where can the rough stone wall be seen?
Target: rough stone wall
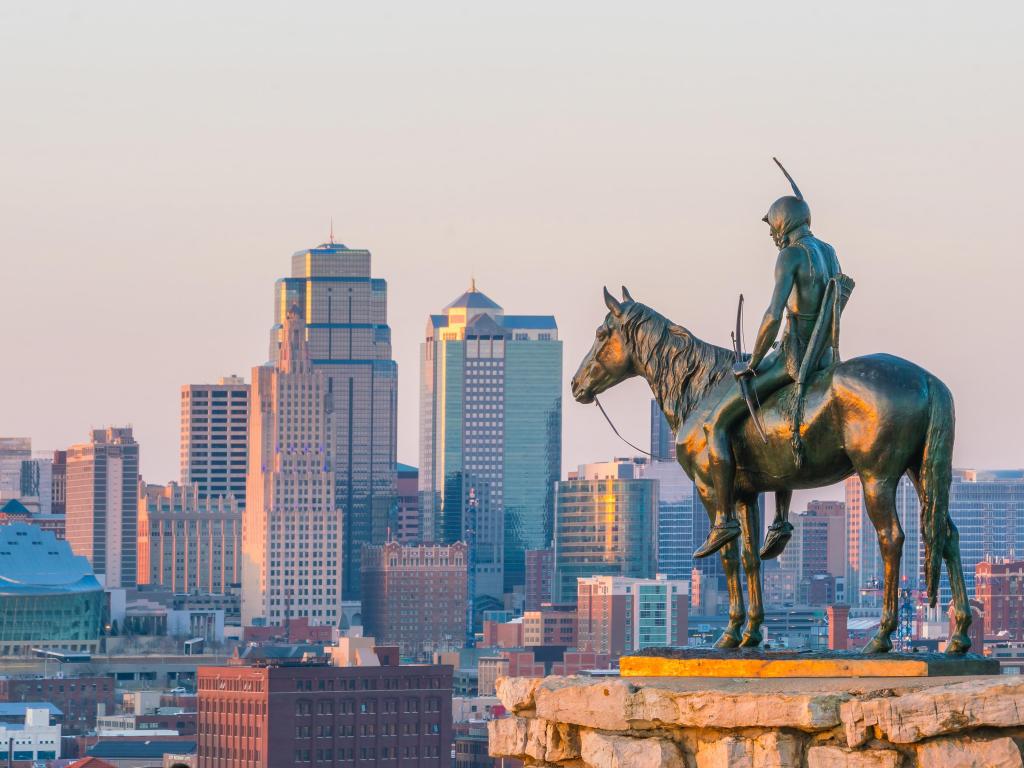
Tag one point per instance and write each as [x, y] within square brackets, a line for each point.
[586, 722]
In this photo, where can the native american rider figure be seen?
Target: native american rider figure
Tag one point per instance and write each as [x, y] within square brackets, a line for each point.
[812, 290]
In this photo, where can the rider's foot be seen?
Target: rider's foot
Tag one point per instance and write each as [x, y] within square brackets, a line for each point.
[720, 535]
[779, 534]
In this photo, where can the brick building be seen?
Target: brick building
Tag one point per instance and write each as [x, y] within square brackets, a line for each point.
[618, 614]
[415, 597]
[296, 715]
[76, 697]
[540, 577]
[551, 625]
[999, 586]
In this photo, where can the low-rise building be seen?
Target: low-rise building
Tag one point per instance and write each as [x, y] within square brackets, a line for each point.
[551, 625]
[77, 698]
[33, 740]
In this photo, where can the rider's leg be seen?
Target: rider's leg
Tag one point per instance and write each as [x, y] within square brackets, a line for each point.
[718, 428]
[781, 530]
[722, 470]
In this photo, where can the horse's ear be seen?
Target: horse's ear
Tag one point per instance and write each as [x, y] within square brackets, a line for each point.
[625, 294]
[612, 303]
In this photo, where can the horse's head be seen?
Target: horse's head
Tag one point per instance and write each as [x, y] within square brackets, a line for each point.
[609, 360]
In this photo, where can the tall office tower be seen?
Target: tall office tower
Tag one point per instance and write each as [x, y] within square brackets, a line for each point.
[618, 615]
[291, 534]
[349, 340]
[865, 568]
[406, 529]
[103, 504]
[13, 451]
[215, 437]
[59, 483]
[187, 543]
[490, 433]
[415, 597]
[37, 483]
[676, 509]
[605, 525]
[663, 443]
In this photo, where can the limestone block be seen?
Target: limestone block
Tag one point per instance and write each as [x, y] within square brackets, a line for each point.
[837, 757]
[616, 705]
[607, 705]
[537, 739]
[978, 703]
[516, 693]
[605, 750]
[969, 753]
[776, 749]
[724, 752]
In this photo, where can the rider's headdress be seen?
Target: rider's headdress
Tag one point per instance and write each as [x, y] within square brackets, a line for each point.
[789, 212]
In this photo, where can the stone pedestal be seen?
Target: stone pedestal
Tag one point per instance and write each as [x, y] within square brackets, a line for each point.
[756, 662]
[611, 722]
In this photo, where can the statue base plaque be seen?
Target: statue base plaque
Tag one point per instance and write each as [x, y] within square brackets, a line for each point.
[755, 662]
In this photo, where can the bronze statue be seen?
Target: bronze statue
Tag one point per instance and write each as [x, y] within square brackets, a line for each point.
[823, 420]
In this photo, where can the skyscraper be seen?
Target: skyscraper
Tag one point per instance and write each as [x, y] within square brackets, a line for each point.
[13, 451]
[677, 505]
[605, 525]
[663, 444]
[345, 311]
[291, 533]
[490, 434]
[215, 437]
[102, 503]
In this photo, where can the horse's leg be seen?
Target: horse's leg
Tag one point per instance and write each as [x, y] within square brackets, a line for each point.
[750, 520]
[730, 637]
[880, 502]
[959, 642]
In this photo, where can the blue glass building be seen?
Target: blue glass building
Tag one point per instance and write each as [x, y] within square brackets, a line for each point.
[49, 597]
[490, 436]
[345, 311]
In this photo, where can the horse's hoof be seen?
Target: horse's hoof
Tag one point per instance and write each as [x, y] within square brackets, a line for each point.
[958, 645]
[728, 640]
[750, 640]
[775, 542]
[878, 645]
[718, 537]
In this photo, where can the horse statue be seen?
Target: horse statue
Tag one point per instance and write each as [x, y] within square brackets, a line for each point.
[878, 416]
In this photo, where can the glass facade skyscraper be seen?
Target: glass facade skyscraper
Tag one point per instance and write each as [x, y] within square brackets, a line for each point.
[987, 507]
[345, 312]
[605, 525]
[490, 435]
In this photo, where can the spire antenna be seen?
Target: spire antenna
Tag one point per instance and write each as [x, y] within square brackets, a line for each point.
[332, 224]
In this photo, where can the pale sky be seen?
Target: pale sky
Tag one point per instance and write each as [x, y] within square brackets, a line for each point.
[159, 162]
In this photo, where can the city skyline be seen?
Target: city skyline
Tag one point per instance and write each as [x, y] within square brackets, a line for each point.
[640, 162]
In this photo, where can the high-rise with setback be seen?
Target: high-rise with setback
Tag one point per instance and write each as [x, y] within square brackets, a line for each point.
[349, 340]
[490, 435]
[291, 531]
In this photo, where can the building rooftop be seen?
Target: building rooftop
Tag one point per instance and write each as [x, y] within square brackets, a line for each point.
[18, 708]
[152, 748]
[15, 507]
[34, 562]
[474, 299]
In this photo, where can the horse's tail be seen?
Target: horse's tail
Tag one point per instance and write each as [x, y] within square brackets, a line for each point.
[934, 477]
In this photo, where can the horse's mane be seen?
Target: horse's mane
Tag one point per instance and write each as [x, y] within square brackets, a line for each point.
[680, 368]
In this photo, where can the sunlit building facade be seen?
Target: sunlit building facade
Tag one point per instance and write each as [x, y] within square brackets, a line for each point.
[291, 533]
[215, 437]
[345, 311]
[490, 435]
[103, 504]
[188, 543]
[605, 525]
[618, 615]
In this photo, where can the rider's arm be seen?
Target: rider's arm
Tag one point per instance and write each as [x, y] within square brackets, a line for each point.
[785, 275]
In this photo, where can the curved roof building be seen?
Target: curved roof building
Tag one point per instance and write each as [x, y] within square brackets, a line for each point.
[49, 597]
